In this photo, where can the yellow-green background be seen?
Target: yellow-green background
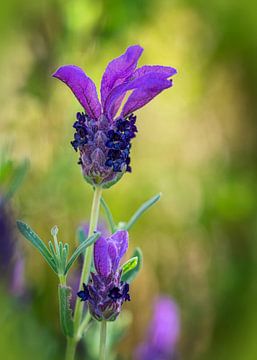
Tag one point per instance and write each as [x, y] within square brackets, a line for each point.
[196, 144]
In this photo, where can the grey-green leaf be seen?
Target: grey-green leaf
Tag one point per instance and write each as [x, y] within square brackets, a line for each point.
[35, 240]
[141, 210]
[66, 320]
[129, 265]
[132, 273]
[82, 247]
[108, 215]
[81, 235]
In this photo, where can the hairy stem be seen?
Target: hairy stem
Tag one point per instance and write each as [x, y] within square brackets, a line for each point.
[71, 344]
[103, 333]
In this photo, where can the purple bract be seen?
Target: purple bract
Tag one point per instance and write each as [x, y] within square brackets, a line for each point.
[102, 137]
[105, 292]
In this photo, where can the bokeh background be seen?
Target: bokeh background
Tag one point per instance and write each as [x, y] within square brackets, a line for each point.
[196, 144]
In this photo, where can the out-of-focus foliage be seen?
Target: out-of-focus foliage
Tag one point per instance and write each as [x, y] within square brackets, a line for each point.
[196, 144]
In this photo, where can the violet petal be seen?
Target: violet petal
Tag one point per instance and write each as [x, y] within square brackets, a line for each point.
[166, 71]
[113, 254]
[151, 85]
[141, 96]
[82, 87]
[101, 257]
[119, 70]
[120, 240]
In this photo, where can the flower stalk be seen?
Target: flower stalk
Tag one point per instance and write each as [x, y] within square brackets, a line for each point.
[103, 335]
[71, 344]
[71, 349]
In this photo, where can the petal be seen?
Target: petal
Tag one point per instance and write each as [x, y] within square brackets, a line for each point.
[113, 254]
[166, 71]
[119, 70]
[141, 96]
[101, 257]
[82, 87]
[119, 240]
[148, 86]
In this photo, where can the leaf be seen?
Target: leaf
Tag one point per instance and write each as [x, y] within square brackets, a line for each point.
[129, 265]
[108, 215]
[82, 247]
[81, 235]
[18, 178]
[35, 240]
[132, 273]
[66, 320]
[141, 210]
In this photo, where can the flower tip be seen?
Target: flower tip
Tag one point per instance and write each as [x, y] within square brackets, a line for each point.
[57, 72]
[135, 50]
[63, 71]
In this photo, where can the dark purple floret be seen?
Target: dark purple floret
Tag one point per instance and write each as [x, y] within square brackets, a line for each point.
[115, 293]
[84, 294]
[105, 292]
[102, 137]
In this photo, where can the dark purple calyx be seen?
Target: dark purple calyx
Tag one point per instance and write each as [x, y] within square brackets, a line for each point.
[104, 148]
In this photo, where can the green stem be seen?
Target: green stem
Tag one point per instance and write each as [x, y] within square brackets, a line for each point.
[62, 279]
[84, 324]
[71, 349]
[71, 344]
[103, 332]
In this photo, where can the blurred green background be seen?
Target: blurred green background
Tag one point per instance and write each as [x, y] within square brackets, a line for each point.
[196, 144]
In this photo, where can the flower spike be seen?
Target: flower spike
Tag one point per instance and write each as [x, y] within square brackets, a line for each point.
[106, 291]
[102, 137]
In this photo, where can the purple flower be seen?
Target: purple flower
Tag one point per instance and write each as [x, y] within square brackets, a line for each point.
[163, 332]
[74, 278]
[11, 259]
[105, 292]
[103, 137]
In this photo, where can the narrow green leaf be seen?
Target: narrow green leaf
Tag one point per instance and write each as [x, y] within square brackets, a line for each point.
[35, 240]
[63, 259]
[82, 247]
[66, 320]
[129, 265]
[81, 235]
[141, 210]
[108, 215]
[18, 177]
[52, 249]
[132, 273]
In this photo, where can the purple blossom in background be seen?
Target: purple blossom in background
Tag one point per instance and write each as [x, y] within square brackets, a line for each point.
[18, 285]
[11, 260]
[102, 227]
[163, 332]
[105, 292]
[103, 137]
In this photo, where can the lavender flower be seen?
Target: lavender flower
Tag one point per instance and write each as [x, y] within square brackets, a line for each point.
[11, 259]
[74, 276]
[102, 137]
[105, 292]
[163, 332]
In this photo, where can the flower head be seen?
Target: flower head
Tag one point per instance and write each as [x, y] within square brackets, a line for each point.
[163, 332]
[105, 292]
[103, 137]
